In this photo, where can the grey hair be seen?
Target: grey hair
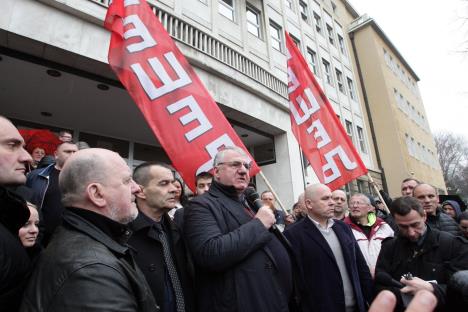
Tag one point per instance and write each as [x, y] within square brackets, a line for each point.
[221, 154]
[78, 173]
[366, 198]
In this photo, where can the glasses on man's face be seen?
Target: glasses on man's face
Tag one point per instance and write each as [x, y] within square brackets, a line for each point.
[237, 164]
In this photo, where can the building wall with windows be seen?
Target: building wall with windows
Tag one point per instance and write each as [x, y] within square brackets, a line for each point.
[404, 139]
[236, 47]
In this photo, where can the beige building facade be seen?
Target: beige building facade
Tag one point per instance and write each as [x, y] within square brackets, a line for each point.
[402, 136]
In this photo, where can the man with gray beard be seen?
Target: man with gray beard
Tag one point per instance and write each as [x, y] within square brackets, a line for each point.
[88, 266]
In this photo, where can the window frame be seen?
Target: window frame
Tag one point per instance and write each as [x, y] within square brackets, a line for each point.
[279, 40]
[258, 25]
[232, 9]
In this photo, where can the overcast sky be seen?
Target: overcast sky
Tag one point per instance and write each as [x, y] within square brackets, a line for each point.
[430, 35]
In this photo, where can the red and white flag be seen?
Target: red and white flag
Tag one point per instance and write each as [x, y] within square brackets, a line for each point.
[184, 117]
[318, 130]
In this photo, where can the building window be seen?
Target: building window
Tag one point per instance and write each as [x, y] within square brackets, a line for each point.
[349, 129]
[318, 23]
[253, 22]
[226, 8]
[352, 94]
[326, 69]
[341, 44]
[339, 80]
[276, 36]
[362, 144]
[303, 9]
[331, 37]
[289, 4]
[312, 59]
[297, 42]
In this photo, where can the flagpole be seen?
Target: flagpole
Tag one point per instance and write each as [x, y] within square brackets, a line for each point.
[378, 192]
[272, 191]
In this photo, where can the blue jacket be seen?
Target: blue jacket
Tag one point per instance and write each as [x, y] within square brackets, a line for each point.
[38, 180]
[322, 287]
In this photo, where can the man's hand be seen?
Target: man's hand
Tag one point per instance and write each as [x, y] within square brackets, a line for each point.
[414, 285]
[424, 301]
[266, 216]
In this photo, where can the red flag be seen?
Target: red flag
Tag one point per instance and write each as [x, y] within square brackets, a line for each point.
[186, 120]
[318, 131]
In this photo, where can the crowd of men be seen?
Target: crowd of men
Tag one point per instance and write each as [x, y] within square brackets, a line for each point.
[106, 241]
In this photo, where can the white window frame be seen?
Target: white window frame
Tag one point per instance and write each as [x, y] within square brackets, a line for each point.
[318, 23]
[351, 90]
[349, 129]
[227, 10]
[312, 60]
[331, 34]
[339, 81]
[255, 28]
[341, 44]
[276, 43]
[303, 10]
[327, 71]
[362, 142]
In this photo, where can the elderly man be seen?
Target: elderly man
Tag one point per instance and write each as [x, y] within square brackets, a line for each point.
[335, 274]
[240, 265]
[368, 229]
[429, 255]
[87, 266]
[429, 199]
[14, 262]
[341, 204]
[160, 248]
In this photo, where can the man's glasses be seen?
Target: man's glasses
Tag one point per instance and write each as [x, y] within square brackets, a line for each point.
[237, 164]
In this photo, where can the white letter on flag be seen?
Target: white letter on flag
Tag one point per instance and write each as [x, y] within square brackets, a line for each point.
[169, 85]
[331, 164]
[195, 114]
[140, 30]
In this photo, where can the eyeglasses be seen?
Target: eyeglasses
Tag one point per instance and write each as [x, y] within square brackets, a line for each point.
[237, 164]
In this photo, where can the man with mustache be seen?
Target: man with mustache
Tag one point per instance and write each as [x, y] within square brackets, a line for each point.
[159, 245]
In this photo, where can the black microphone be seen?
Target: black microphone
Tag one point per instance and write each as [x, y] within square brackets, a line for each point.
[387, 280]
[253, 199]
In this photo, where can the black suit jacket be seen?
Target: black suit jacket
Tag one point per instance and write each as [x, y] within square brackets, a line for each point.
[322, 287]
[150, 258]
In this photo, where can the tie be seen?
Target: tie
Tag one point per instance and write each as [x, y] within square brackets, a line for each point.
[179, 295]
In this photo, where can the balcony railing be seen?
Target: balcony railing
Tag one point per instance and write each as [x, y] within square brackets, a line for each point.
[201, 41]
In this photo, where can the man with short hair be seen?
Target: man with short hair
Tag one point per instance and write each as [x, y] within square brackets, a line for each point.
[430, 256]
[65, 136]
[268, 199]
[335, 274]
[88, 266]
[45, 184]
[463, 223]
[14, 261]
[160, 248]
[429, 199]
[408, 185]
[241, 266]
[299, 209]
[341, 204]
[368, 229]
[203, 182]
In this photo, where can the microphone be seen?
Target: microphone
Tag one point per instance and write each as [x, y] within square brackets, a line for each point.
[253, 199]
[387, 280]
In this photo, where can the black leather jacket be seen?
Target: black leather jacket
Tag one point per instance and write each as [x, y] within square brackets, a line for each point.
[83, 269]
[443, 222]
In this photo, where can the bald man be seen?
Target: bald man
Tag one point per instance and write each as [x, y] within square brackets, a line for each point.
[341, 204]
[88, 266]
[335, 274]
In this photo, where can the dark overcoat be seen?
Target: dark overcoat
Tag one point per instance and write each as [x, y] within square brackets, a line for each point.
[321, 283]
[235, 270]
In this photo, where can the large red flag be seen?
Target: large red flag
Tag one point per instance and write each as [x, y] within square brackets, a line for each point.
[318, 130]
[184, 117]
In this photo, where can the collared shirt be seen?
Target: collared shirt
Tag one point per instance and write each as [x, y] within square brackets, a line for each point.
[326, 229]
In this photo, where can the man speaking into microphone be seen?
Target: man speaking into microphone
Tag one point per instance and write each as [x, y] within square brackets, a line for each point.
[240, 265]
